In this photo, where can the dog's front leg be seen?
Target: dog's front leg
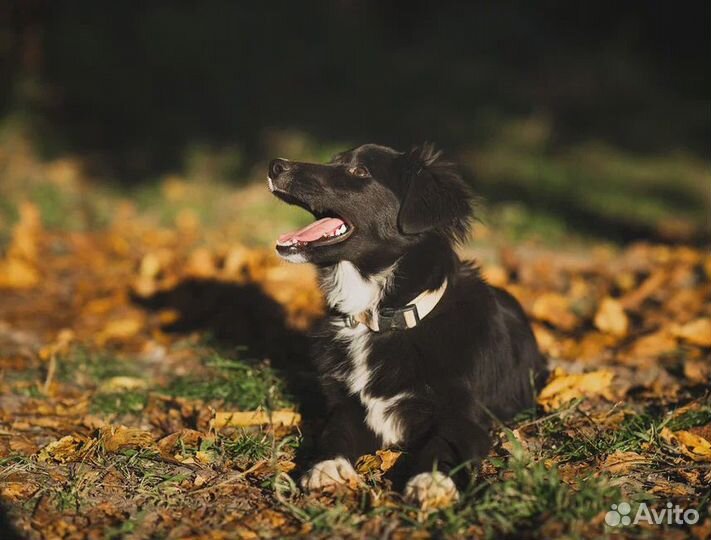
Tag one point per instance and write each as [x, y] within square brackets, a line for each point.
[345, 438]
[429, 464]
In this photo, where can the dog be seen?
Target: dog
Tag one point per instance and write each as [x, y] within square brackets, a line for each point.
[417, 351]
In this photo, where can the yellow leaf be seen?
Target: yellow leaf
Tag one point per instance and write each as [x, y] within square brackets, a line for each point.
[611, 317]
[120, 329]
[696, 332]
[554, 308]
[18, 274]
[206, 456]
[389, 458]
[121, 384]
[368, 463]
[688, 444]
[564, 388]
[66, 449]
[116, 437]
[254, 418]
[381, 462]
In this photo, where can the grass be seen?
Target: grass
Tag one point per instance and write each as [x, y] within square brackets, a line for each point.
[523, 495]
[234, 382]
[95, 365]
[132, 402]
[533, 187]
[525, 492]
[590, 188]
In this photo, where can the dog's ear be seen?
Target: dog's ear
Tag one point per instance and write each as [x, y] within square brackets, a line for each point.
[436, 197]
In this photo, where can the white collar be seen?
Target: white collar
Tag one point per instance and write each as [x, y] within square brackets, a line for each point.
[396, 318]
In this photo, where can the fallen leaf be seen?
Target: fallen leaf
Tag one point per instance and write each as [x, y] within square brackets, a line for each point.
[697, 370]
[18, 274]
[122, 384]
[381, 462]
[634, 299]
[23, 446]
[17, 491]
[389, 458]
[611, 317]
[255, 418]
[68, 448]
[620, 462]
[564, 388]
[119, 329]
[696, 332]
[554, 308]
[649, 348]
[688, 444]
[115, 438]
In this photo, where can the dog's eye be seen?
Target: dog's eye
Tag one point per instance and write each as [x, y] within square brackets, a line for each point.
[359, 171]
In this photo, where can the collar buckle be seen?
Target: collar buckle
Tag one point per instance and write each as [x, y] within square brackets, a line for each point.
[398, 318]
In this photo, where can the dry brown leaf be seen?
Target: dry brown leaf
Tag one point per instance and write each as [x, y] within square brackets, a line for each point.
[201, 263]
[18, 270]
[611, 317]
[389, 458]
[620, 462]
[254, 418]
[554, 308]
[697, 370]
[668, 488]
[17, 491]
[592, 348]
[688, 444]
[634, 299]
[564, 388]
[285, 466]
[381, 462]
[18, 274]
[171, 446]
[650, 347]
[68, 448]
[547, 341]
[115, 438]
[119, 330]
[697, 332]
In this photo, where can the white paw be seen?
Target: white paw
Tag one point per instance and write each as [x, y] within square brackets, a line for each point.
[331, 472]
[431, 490]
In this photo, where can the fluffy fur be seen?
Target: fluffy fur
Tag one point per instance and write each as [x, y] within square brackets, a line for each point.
[432, 390]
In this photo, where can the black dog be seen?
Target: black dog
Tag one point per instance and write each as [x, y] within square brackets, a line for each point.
[417, 351]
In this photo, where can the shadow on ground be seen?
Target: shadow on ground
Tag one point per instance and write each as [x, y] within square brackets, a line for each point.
[244, 316]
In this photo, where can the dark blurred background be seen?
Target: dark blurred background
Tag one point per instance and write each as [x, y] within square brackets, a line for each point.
[551, 104]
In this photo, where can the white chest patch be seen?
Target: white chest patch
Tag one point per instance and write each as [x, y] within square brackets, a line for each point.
[349, 292]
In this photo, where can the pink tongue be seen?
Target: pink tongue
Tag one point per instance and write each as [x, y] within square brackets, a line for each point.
[314, 231]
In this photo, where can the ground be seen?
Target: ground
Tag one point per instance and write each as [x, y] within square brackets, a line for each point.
[154, 381]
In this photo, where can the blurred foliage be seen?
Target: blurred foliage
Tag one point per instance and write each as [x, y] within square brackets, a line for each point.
[582, 119]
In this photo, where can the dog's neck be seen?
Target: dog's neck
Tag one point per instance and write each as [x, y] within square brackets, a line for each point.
[350, 291]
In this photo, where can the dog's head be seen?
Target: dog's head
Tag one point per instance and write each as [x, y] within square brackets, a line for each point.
[371, 204]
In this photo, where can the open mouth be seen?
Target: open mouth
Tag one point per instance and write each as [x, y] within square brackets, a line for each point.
[328, 228]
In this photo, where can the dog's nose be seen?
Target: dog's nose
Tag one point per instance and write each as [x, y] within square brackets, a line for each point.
[278, 166]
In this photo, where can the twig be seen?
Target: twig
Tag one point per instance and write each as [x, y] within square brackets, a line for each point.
[51, 369]
[238, 476]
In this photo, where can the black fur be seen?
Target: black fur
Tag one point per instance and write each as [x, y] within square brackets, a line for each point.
[472, 360]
